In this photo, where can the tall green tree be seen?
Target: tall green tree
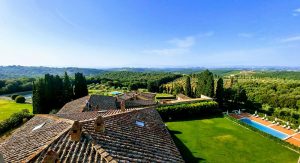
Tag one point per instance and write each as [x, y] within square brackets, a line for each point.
[38, 97]
[58, 92]
[205, 84]
[188, 87]
[209, 91]
[50, 93]
[68, 90]
[220, 92]
[80, 86]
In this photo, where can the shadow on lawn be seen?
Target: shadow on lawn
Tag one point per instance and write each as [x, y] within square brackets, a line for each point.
[197, 118]
[184, 150]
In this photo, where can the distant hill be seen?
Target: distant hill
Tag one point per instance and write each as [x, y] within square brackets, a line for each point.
[9, 72]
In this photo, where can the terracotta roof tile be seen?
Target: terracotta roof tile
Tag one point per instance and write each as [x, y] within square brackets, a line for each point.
[125, 141]
[103, 102]
[75, 106]
[139, 103]
[91, 115]
[122, 141]
[26, 142]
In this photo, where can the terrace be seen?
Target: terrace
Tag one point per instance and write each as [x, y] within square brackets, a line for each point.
[293, 136]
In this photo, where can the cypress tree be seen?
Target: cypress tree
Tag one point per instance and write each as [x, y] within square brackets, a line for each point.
[80, 89]
[68, 91]
[200, 85]
[205, 84]
[38, 97]
[48, 94]
[188, 88]
[35, 99]
[220, 92]
[58, 92]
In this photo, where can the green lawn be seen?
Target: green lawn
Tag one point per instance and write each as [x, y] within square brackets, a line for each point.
[8, 107]
[221, 140]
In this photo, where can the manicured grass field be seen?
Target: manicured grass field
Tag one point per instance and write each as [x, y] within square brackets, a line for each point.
[7, 108]
[221, 140]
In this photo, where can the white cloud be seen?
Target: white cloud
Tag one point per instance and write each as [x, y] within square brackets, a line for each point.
[296, 12]
[183, 43]
[291, 39]
[206, 34]
[245, 35]
[168, 51]
[179, 46]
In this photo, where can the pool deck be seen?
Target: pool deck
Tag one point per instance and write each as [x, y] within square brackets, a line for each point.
[293, 137]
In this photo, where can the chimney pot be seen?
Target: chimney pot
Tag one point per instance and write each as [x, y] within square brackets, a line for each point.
[75, 132]
[123, 105]
[99, 124]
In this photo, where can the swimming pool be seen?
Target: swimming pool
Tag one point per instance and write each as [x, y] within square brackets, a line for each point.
[264, 128]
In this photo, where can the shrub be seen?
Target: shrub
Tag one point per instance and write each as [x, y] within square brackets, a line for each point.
[14, 120]
[14, 96]
[53, 111]
[165, 97]
[20, 99]
[188, 110]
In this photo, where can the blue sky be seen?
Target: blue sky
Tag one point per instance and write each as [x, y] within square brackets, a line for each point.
[150, 33]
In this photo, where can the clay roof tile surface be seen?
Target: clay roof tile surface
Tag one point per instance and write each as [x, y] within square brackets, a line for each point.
[25, 143]
[123, 140]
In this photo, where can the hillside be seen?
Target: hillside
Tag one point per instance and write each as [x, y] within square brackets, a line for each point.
[9, 72]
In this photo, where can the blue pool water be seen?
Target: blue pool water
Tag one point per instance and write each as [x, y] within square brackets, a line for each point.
[115, 93]
[264, 128]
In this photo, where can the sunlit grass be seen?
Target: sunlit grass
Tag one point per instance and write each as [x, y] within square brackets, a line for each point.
[221, 140]
[8, 107]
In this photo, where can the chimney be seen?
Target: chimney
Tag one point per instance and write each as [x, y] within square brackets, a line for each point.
[99, 124]
[123, 105]
[134, 96]
[1, 158]
[75, 132]
[51, 157]
[87, 104]
[97, 107]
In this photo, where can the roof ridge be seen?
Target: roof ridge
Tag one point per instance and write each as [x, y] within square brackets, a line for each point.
[108, 116]
[131, 110]
[54, 117]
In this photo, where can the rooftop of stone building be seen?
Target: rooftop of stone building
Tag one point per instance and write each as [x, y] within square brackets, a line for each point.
[131, 135]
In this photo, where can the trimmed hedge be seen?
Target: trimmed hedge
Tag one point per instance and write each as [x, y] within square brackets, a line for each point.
[14, 96]
[282, 142]
[20, 99]
[14, 120]
[188, 110]
[165, 97]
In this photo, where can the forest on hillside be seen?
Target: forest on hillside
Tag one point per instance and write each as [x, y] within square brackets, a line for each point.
[276, 94]
[134, 80]
[15, 72]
